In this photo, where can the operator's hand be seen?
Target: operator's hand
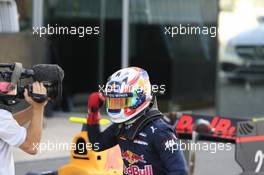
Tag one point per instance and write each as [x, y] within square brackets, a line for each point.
[38, 88]
[95, 102]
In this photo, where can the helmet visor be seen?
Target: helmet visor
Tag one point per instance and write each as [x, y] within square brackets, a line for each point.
[119, 101]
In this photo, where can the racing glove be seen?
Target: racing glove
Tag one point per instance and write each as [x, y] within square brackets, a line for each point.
[95, 102]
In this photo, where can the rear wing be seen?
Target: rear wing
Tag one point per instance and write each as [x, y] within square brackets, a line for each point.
[224, 128]
[247, 134]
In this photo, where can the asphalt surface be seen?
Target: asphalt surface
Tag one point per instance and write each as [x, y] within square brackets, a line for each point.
[238, 100]
[220, 163]
[38, 166]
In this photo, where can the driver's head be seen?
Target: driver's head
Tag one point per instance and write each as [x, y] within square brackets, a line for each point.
[128, 92]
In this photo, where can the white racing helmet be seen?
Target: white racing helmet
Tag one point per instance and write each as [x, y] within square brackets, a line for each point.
[128, 92]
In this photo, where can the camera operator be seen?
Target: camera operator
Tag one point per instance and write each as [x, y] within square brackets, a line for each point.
[12, 132]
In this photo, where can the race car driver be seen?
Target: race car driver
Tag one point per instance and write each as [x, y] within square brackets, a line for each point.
[148, 145]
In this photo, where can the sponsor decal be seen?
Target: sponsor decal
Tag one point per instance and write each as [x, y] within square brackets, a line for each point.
[132, 157]
[122, 138]
[135, 170]
[153, 129]
[141, 142]
[128, 126]
[169, 144]
[223, 127]
[259, 158]
[143, 134]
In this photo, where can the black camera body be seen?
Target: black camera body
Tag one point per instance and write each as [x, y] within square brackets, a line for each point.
[50, 75]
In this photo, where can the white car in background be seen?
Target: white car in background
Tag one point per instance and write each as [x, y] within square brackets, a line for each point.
[243, 59]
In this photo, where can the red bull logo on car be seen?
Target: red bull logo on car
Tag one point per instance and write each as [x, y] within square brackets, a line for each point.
[132, 157]
[135, 170]
[223, 127]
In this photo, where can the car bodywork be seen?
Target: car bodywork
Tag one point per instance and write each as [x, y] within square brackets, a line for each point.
[89, 162]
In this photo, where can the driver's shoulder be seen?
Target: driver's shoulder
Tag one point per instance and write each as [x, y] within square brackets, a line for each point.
[157, 126]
